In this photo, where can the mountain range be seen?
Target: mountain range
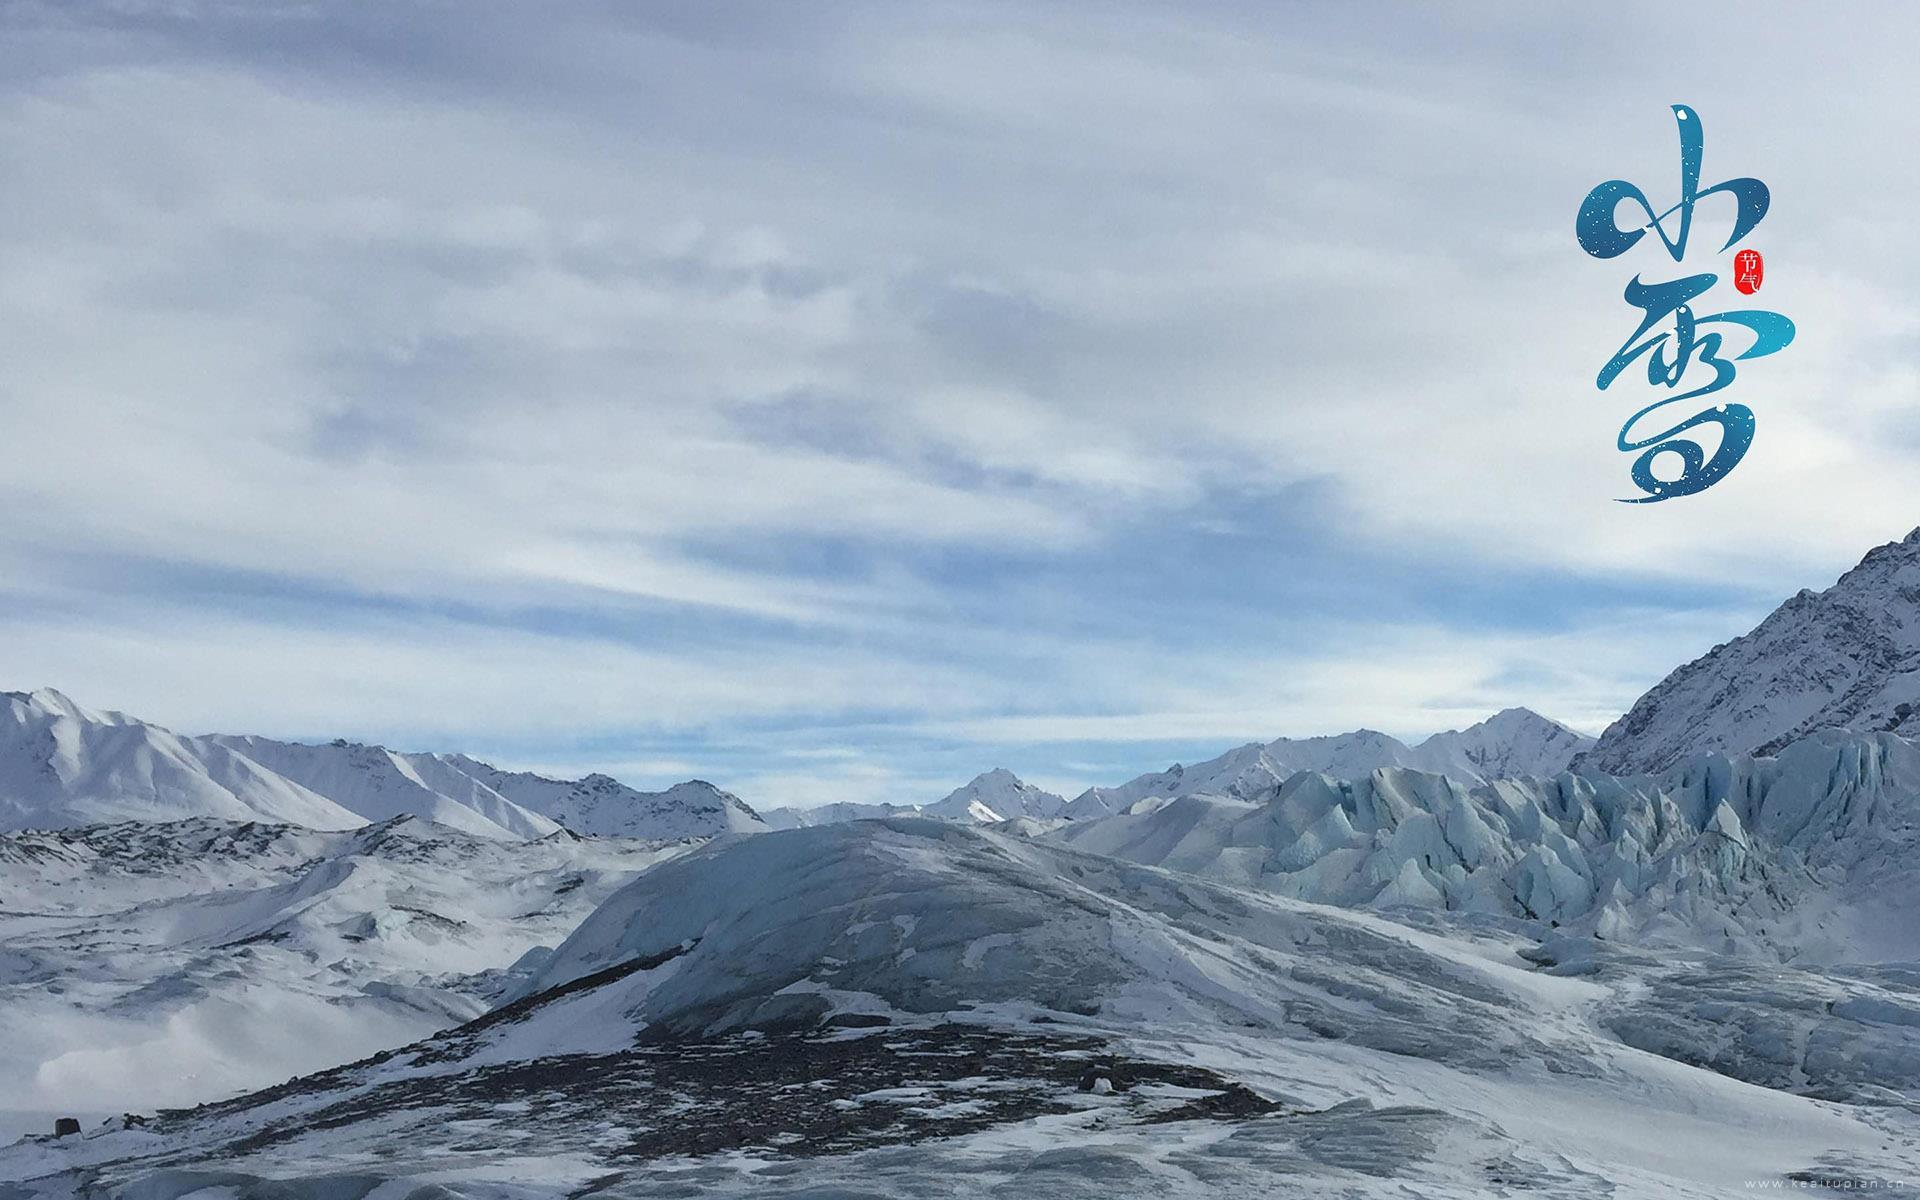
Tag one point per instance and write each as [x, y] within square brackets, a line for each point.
[1506, 961]
[1846, 658]
[64, 766]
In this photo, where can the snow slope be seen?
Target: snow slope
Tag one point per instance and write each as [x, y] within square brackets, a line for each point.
[145, 964]
[1512, 743]
[911, 1007]
[1848, 657]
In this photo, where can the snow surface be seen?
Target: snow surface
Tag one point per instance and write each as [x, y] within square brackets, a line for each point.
[1282, 1048]
[1848, 657]
[145, 964]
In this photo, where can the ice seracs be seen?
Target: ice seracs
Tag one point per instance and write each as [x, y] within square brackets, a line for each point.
[1804, 855]
[1848, 657]
[1513, 743]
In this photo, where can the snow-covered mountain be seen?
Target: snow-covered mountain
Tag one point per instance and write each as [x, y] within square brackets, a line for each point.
[64, 766]
[601, 806]
[833, 814]
[378, 784]
[861, 1008]
[1513, 743]
[996, 795]
[1848, 657]
[171, 963]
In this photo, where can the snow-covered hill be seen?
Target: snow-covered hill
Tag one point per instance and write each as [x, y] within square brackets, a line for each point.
[64, 766]
[1513, 743]
[146, 964]
[1848, 657]
[862, 1008]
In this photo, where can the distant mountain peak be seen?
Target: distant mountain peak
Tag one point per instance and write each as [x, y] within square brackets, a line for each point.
[63, 765]
[996, 795]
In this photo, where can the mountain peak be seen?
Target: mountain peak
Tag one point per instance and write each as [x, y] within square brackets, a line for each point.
[996, 795]
[54, 703]
[1845, 658]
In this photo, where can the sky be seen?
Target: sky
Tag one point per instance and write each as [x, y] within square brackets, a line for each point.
[836, 400]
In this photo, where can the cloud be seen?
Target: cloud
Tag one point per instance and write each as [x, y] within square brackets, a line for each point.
[624, 385]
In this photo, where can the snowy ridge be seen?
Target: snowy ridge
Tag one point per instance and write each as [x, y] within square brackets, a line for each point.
[378, 784]
[832, 814]
[1514, 743]
[64, 766]
[1848, 657]
[601, 806]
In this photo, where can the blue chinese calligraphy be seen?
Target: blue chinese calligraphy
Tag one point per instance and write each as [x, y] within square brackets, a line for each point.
[1676, 342]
